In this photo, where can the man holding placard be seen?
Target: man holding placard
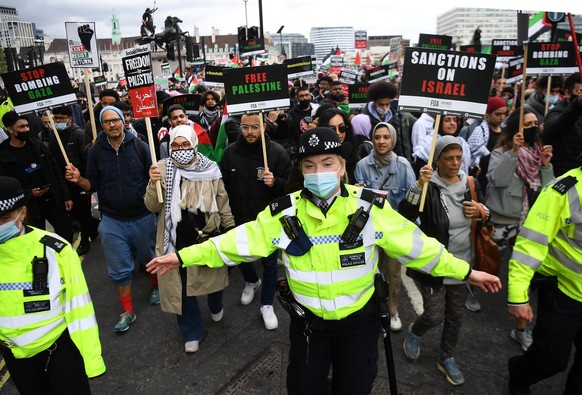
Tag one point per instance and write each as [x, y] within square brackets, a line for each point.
[117, 169]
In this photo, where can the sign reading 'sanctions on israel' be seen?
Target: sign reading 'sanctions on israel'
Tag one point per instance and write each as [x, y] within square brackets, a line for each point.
[446, 82]
[254, 89]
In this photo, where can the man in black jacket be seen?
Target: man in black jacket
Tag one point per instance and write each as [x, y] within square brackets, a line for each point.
[250, 188]
[26, 158]
[563, 127]
[72, 139]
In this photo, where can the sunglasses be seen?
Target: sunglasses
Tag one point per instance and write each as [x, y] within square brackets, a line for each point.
[341, 128]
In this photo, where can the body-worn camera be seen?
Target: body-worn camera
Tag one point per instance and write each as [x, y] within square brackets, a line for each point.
[291, 226]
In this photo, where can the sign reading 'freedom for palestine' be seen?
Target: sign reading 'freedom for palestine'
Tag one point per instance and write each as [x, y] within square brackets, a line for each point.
[446, 82]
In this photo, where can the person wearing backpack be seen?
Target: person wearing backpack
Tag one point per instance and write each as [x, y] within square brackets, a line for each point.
[120, 176]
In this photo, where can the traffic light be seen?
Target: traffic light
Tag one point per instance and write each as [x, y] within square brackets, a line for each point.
[253, 33]
[190, 49]
[196, 51]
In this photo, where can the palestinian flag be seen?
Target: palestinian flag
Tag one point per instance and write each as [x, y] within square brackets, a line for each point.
[222, 138]
[368, 58]
[358, 59]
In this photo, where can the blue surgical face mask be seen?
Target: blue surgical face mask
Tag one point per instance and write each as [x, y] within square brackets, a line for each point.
[321, 185]
[60, 126]
[553, 99]
[9, 230]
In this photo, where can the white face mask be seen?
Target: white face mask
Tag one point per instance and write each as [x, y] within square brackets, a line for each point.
[322, 184]
[9, 229]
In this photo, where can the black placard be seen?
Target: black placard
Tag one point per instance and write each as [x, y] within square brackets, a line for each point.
[506, 49]
[298, 67]
[378, 73]
[514, 70]
[358, 95]
[435, 41]
[469, 48]
[190, 102]
[253, 89]
[555, 58]
[252, 47]
[446, 82]
[348, 76]
[39, 88]
[214, 76]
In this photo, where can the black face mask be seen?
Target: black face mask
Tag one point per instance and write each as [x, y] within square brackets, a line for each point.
[23, 136]
[304, 104]
[530, 135]
[338, 98]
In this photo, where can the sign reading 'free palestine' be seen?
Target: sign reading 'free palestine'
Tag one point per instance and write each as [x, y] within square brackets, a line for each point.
[254, 89]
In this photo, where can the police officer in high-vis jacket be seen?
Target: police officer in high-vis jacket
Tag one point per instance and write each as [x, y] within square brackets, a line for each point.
[330, 263]
[548, 253]
[48, 331]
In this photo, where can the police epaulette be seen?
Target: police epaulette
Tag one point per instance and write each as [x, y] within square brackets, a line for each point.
[565, 184]
[280, 204]
[372, 197]
[54, 243]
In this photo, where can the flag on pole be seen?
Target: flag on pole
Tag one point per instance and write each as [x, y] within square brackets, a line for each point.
[178, 73]
[222, 138]
[368, 59]
[358, 59]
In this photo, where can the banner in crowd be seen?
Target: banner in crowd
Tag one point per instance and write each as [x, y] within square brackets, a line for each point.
[514, 70]
[506, 49]
[254, 89]
[299, 67]
[435, 41]
[394, 53]
[99, 80]
[348, 76]
[39, 88]
[214, 76]
[137, 66]
[251, 47]
[82, 45]
[358, 96]
[190, 102]
[336, 64]
[551, 58]
[446, 82]
[378, 73]
[469, 48]
[360, 39]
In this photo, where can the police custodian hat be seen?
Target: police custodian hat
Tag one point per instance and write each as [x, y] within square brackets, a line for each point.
[321, 140]
[12, 196]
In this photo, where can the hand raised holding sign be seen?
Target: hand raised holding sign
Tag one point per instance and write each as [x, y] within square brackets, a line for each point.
[517, 141]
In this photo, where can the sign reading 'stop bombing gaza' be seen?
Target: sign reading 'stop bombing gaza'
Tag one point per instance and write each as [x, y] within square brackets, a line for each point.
[39, 88]
[446, 82]
[254, 89]
[551, 58]
[137, 66]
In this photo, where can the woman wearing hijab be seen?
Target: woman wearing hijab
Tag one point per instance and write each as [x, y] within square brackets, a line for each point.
[195, 207]
[393, 176]
[518, 168]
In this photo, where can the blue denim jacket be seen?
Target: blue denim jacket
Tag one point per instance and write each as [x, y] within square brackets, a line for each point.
[396, 179]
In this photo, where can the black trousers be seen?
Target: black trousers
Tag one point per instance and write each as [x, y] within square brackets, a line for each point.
[82, 212]
[65, 374]
[56, 215]
[348, 346]
[558, 326]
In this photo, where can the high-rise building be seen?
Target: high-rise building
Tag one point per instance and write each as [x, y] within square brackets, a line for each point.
[294, 44]
[324, 39]
[460, 23]
[15, 33]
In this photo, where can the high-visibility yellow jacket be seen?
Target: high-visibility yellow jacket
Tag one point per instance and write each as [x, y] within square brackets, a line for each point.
[31, 322]
[332, 279]
[550, 241]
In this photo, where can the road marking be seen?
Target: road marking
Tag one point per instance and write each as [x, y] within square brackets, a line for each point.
[413, 292]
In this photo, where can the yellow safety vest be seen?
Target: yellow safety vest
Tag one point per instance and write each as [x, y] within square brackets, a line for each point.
[32, 321]
[550, 241]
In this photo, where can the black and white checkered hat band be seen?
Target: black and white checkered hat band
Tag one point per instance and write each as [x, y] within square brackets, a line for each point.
[330, 145]
[8, 204]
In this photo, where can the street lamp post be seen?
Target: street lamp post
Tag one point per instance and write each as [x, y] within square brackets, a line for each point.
[246, 17]
[281, 38]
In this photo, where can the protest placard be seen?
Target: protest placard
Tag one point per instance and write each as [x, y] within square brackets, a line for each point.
[82, 44]
[446, 82]
[137, 66]
[555, 58]
[299, 67]
[190, 102]
[514, 71]
[255, 89]
[214, 76]
[360, 39]
[348, 76]
[378, 73]
[435, 41]
[358, 96]
[506, 49]
[39, 88]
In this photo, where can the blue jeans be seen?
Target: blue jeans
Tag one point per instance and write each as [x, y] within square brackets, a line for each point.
[270, 273]
[190, 322]
[124, 239]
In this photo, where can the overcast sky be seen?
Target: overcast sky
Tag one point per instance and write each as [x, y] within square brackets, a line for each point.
[379, 17]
